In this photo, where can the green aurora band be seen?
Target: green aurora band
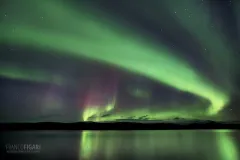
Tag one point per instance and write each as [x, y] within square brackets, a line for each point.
[143, 113]
[41, 76]
[197, 21]
[215, 48]
[90, 34]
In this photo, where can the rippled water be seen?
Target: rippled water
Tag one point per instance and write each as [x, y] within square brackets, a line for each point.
[111, 145]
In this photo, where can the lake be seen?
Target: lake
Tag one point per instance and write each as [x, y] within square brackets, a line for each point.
[111, 145]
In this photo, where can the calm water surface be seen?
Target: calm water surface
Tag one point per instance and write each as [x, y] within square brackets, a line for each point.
[111, 145]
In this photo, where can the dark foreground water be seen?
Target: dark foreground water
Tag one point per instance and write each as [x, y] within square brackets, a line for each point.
[122, 145]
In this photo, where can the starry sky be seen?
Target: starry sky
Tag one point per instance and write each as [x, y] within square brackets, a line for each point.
[108, 60]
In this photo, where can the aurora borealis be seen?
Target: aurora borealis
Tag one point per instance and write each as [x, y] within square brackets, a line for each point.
[121, 60]
[197, 57]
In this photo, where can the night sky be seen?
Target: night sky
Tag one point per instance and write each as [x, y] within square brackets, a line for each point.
[109, 60]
